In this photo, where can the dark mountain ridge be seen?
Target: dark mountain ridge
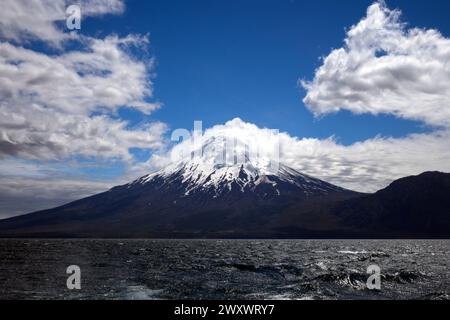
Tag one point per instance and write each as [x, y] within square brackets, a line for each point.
[417, 206]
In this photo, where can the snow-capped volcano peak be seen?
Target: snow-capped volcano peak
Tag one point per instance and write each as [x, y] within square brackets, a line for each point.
[221, 165]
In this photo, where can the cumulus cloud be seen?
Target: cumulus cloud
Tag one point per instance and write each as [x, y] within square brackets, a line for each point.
[103, 75]
[385, 67]
[26, 20]
[57, 106]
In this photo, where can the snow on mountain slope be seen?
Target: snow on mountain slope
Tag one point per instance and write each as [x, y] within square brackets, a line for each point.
[217, 168]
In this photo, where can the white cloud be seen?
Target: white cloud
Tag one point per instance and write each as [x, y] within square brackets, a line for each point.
[25, 20]
[57, 106]
[385, 67]
[79, 82]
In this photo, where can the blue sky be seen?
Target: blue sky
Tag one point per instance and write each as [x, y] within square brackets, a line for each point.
[217, 60]
[360, 89]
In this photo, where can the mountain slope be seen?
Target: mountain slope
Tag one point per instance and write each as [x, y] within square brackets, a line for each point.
[168, 205]
[417, 206]
[206, 195]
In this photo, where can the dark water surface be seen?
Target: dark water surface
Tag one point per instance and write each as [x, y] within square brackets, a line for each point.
[224, 269]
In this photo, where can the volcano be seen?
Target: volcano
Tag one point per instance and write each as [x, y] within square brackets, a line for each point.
[213, 193]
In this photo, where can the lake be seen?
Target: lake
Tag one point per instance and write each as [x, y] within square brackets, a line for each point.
[225, 269]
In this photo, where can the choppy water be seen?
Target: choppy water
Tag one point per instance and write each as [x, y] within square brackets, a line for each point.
[224, 269]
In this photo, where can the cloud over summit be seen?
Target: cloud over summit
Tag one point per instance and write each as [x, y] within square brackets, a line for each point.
[363, 166]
